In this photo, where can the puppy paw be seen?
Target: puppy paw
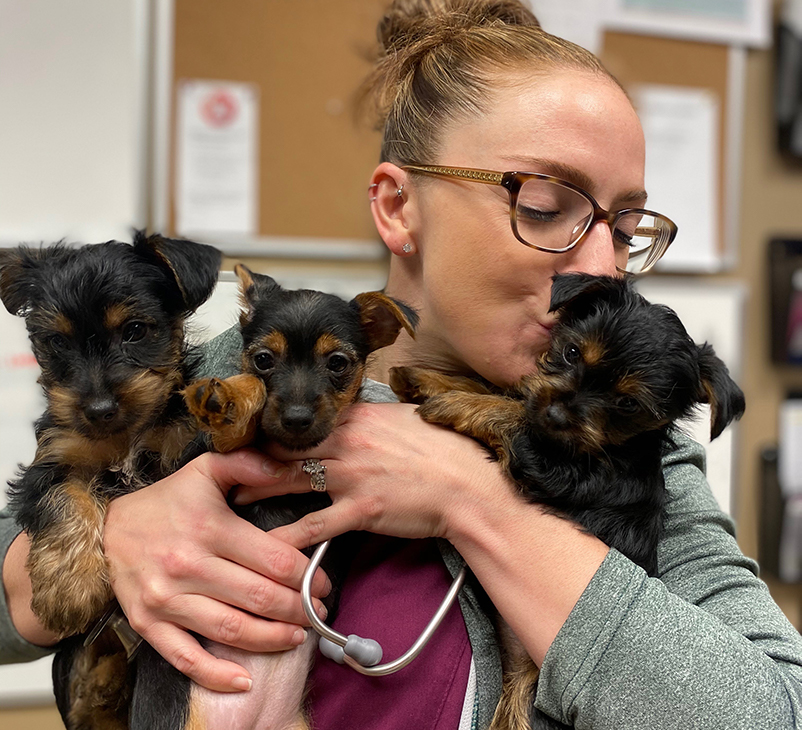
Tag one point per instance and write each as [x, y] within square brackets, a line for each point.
[228, 409]
[211, 402]
[417, 385]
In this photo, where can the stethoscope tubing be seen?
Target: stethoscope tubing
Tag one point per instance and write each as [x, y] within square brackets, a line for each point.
[326, 632]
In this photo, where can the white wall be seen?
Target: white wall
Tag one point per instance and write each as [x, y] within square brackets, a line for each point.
[72, 119]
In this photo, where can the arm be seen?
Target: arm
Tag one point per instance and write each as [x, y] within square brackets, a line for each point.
[180, 560]
[704, 641]
[22, 637]
[616, 648]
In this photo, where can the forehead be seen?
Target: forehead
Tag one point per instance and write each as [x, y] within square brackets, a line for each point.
[573, 118]
[302, 317]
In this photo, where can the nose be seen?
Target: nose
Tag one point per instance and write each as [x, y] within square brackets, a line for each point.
[101, 410]
[297, 418]
[595, 253]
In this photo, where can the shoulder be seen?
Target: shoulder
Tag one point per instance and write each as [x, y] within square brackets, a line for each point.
[376, 392]
[684, 465]
[220, 357]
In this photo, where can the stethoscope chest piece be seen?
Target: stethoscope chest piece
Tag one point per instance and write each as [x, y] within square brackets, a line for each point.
[359, 653]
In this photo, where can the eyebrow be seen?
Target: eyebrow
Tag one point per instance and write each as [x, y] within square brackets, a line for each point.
[575, 176]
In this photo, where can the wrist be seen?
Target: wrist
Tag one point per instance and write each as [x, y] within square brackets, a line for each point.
[18, 592]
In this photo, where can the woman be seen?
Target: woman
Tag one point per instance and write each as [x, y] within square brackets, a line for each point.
[477, 86]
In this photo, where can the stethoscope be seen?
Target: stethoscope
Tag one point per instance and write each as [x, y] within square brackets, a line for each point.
[361, 654]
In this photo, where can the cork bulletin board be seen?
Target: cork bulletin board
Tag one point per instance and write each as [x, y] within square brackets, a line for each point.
[307, 58]
[637, 59]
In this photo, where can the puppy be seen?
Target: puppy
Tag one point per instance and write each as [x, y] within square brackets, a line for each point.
[585, 433]
[106, 323]
[303, 364]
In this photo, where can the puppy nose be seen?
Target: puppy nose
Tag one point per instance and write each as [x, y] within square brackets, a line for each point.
[101, 410]
[297, 418]
[557, 415]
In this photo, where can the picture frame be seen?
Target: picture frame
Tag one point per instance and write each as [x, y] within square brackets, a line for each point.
[737, 22]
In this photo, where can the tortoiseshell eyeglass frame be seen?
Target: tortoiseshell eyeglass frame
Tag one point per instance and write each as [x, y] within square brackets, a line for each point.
[514, 181]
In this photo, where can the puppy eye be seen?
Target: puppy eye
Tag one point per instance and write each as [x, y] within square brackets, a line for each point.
[134, 331]
[627, 404]
[264, 361]
[337, 362]
[571, 353]
[57, 342]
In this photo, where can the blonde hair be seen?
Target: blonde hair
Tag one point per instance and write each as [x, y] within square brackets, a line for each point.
[439, 60]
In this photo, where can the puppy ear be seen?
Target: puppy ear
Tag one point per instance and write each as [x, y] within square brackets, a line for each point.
[193, 266]
[252, 289]
[726, 399]
[578, 294]
[15, 280]
[383, 317]
[19, 278]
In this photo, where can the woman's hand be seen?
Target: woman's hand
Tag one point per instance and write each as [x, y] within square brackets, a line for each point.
[391, 473]
[180, 560]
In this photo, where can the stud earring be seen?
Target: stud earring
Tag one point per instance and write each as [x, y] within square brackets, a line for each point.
[407, 248]
[399, 191]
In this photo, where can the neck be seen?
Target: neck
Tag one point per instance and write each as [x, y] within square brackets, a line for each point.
[428, 349]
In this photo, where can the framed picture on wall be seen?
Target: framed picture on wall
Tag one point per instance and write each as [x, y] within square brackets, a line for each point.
[785, 287]
[738, 22]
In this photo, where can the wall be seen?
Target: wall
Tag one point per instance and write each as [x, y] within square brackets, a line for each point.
[771, 191]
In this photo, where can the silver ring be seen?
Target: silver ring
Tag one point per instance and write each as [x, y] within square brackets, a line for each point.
[317, 474]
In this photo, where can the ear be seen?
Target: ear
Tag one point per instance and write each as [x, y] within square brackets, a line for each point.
[16, 280]
[578, 294]
[193, 266]
[383, 317]
[253, 288]
[726, 399]
[19, 277]
[393, 214]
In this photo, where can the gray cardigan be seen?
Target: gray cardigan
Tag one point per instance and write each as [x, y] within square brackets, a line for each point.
[703, 645]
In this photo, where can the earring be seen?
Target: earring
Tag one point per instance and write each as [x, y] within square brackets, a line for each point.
[407, 248]
[399, 191]
[375, 185]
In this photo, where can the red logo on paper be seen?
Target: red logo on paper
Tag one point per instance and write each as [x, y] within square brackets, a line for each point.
[219, 109]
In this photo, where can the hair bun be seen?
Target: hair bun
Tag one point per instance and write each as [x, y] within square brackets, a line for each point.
[406, 22]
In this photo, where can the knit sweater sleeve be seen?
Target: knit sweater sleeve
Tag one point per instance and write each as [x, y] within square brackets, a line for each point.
[702, 645]
[13, 648]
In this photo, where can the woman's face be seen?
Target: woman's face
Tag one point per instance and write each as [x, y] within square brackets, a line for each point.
[483, 295]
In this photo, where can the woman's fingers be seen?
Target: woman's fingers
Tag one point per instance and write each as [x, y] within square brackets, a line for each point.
[233, 584]
[247, 545]
[185, 653]
[230, 626]
[245, 466]
[293, 480]
[316, 527]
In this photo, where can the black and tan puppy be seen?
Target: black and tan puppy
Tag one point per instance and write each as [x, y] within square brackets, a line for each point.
[303, 364]
[585, 433]
[106, 323]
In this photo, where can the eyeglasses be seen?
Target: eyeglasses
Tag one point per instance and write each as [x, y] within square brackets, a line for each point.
[554, 215]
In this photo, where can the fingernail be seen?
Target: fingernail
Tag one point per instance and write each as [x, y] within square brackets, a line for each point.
[322, 612]
[271, 468]
[299, 637]
[242, 684]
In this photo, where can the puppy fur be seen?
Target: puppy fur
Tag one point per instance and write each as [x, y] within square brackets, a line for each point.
[106, 324]
[303, 363]
[585, 433]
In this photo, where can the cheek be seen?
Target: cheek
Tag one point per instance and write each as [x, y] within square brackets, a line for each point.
[486, 297]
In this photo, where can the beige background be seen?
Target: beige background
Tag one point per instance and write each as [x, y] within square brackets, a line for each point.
[308, 86]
